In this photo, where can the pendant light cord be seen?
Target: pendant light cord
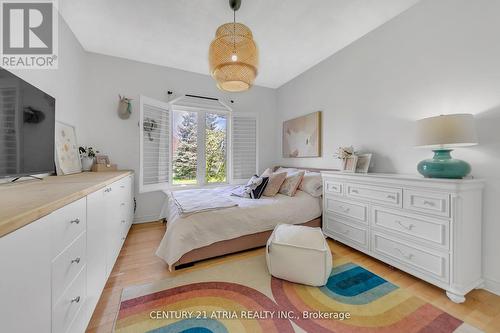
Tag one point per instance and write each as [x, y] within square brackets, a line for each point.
[234, 31]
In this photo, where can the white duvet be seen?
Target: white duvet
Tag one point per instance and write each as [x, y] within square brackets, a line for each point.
[250, 216]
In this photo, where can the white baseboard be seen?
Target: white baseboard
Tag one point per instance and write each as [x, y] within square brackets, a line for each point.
[492, 286]
[145, 219]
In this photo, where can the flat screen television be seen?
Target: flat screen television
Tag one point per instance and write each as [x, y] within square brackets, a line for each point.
[27, 128]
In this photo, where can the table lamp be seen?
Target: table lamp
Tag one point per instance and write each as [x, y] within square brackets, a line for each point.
[442, 133]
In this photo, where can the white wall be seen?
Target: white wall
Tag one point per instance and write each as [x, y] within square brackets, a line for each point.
[439, 57]
[101, 127]
[67, 83]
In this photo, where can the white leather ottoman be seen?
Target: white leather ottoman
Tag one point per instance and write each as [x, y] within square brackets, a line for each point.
[299, 254]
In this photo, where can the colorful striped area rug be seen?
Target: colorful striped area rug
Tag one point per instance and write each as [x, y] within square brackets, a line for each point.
[241, 296]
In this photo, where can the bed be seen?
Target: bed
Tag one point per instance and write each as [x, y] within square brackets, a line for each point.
[214, 233]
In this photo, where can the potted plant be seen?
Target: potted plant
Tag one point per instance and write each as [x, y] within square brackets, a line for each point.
[345, 154]
[87, 155]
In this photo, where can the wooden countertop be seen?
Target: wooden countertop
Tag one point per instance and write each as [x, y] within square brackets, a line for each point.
[24, 202]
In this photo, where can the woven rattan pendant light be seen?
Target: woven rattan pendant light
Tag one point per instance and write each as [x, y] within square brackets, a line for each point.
[233, 55]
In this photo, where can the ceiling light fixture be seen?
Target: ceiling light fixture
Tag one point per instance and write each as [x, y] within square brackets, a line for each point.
[233, 55]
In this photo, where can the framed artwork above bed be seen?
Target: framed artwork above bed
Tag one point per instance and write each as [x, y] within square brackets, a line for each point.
[302, 136]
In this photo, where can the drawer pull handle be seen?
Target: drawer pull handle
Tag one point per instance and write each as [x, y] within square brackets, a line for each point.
[75, 261]
[391, 196]
[122, 186]
[407, 256]
[76, 221]
[123, 221]
[429, 203]
[75, 299]
[354, 191]
[122, 204]
[344, 209]
[409, 227]
[109, 189]
[123, 238]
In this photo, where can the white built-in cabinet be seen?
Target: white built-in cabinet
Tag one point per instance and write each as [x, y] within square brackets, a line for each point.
[430, 228]
[53, 270]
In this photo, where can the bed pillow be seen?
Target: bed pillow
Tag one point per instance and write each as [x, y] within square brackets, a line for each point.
[312, 184]
[291, 183]
[274, 184]
[289, 171]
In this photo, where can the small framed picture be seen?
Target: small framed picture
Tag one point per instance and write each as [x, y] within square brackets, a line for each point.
[363, 163]
[102, 159]
[67, 157]
[350, 163]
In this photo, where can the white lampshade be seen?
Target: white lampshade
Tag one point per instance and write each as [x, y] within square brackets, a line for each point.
[447, 131]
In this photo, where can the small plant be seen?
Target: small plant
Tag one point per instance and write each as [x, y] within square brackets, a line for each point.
[344, 152]
[87, 152]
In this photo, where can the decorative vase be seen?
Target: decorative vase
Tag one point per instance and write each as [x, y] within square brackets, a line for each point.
[87, 163]
[442, 165]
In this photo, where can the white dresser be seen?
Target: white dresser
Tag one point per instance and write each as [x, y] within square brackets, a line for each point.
[53, 269]
[430, 228]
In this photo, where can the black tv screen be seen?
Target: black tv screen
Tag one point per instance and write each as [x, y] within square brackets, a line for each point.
[27, 121]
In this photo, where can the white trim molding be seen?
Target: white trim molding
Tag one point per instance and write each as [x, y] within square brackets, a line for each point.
[491, 285]
[146, 218]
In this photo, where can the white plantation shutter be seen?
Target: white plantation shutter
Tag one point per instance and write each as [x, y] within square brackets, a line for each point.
[154, 128]
[244, 136]
[9, 142]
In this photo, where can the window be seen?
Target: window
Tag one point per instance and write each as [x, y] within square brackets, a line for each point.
[199, 158]
[215, 148]
[185, 148]
[189, 143]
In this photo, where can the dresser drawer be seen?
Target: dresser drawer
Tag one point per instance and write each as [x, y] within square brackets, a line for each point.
[125, 183]
[333, 187]
[67, 224]
[427, 202]
[125, 226]
[67, 265]
[386, 195]
[420, 228]
[350, 209]
[430, 263]
[342, 229]
[66, 309]
[124, 190]
[124, 210]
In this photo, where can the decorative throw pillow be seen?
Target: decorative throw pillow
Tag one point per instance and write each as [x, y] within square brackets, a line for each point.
[312, 184]
[291, 183]
[267, 172]
[274, 183]
[259, 190]
[253, 189]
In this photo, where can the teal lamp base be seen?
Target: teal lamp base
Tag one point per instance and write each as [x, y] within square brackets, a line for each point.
[442, 165]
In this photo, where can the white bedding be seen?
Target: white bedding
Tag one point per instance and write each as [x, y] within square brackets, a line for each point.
[196, 201]
[250, 216]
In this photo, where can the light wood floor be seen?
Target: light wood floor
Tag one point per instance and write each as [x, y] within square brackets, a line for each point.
[137, 264]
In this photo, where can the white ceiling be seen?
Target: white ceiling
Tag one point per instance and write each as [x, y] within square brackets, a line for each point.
[292, 35]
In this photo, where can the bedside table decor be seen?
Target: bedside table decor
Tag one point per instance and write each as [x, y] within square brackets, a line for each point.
[442, 133]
